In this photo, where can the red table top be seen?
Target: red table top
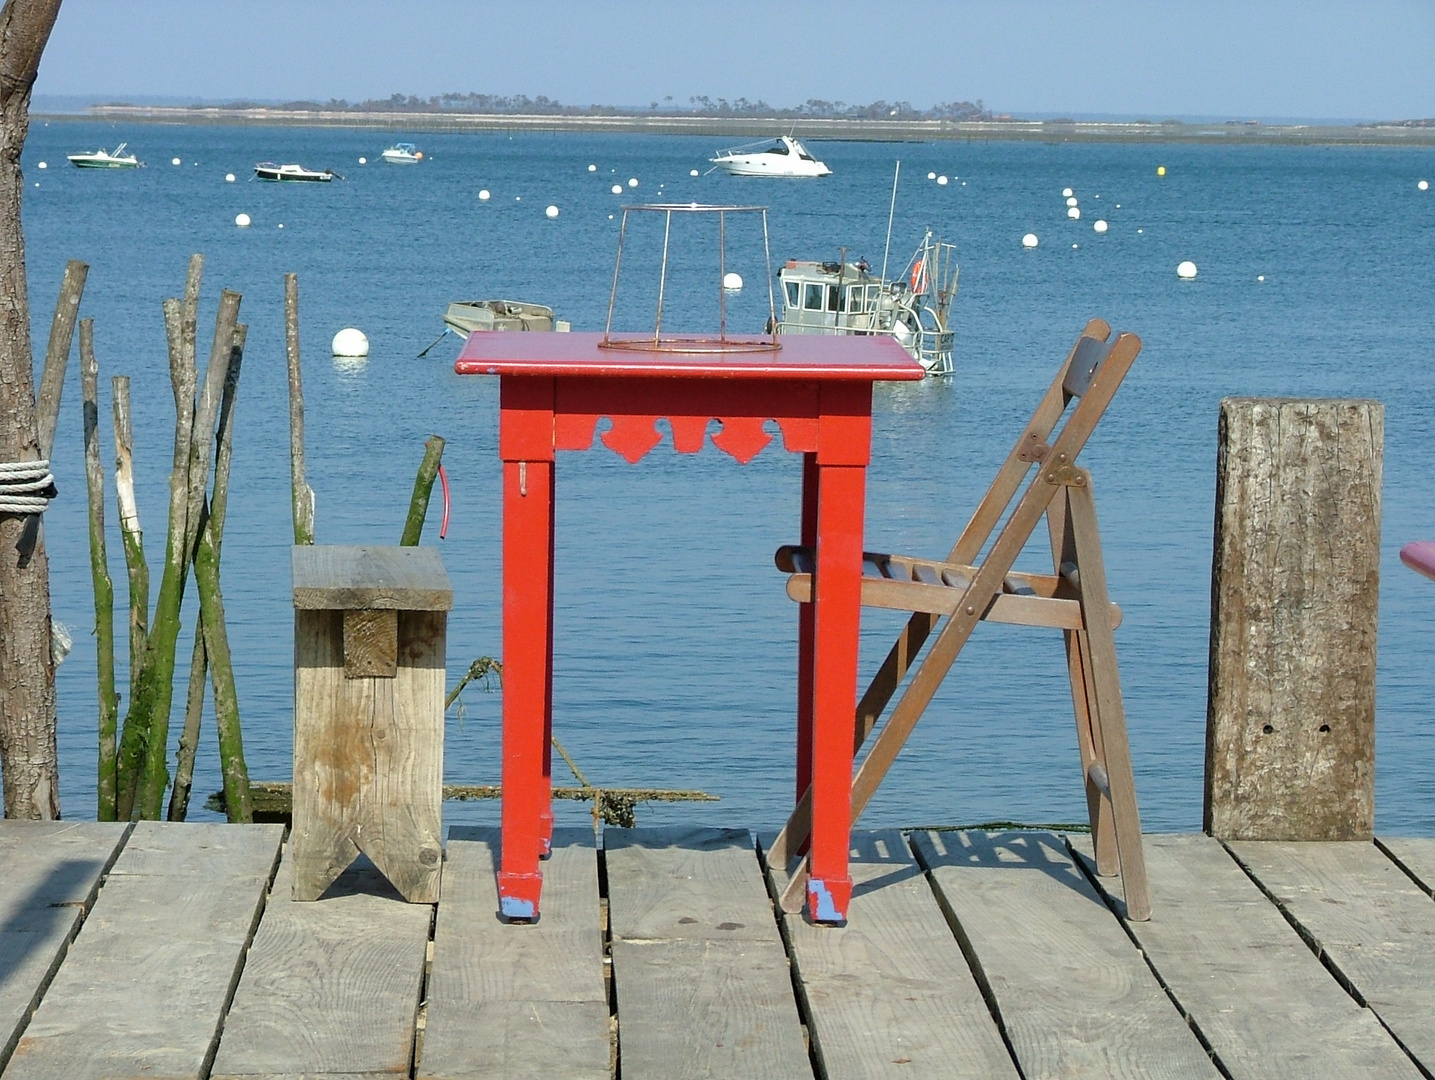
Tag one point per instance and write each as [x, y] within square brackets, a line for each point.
[802, 356]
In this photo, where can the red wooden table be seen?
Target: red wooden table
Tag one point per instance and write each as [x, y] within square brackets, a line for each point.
[553, 390]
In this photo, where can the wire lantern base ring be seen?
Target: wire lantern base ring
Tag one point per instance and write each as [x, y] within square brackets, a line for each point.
[692, 346]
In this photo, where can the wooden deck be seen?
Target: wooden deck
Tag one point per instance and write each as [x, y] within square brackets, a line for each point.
[170, 951]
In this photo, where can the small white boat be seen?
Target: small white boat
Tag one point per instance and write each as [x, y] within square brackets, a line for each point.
[786, 157]
[466, 316]
[267, 170]
[403, 153]
[106, 159]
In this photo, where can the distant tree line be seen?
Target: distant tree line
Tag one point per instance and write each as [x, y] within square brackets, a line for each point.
[697, 106]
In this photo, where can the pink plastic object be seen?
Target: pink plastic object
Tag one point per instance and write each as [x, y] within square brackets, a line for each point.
[443, 479]
[1420, 557]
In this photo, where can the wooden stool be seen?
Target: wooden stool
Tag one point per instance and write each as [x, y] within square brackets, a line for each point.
[369, 636]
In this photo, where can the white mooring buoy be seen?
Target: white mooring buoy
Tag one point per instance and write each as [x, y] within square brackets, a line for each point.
[692, 172]
[632, 181]
[1186, 270]
[175, 161]
[483, 195]
[363, 161]
[242, 220]
[732, 281]
[1099, 225]
[350, 342]
[617, 189]
[942, 180]
[931, 176]
[552, 211]
[42, 165]
[229, 178]
[592, 168]
[1073, 212]
[1424, 185]
[1029, 240]
[1066, 193]
[1071, 201]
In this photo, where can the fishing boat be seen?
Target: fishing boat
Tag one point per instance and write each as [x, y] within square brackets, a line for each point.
[403, 153]
[106, 159]
[466, 316]
[847, 298]
[786, 158]
[267, 170]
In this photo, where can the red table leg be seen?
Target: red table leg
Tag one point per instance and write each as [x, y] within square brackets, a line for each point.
[527, 681]
[837, 615]
[804, 636]
[545, 819]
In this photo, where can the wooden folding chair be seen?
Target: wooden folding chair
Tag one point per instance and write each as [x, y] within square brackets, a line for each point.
[967, 591]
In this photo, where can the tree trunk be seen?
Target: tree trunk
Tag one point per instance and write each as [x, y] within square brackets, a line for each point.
[28, 759]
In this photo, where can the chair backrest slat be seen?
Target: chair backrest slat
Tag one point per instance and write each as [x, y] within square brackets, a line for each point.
[1086, 360]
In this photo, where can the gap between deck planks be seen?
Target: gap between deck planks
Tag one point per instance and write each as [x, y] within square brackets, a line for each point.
[518, 1001]
[890, 994]
[330, 986]
[52, 873]
[700, 975]
[1074, 995]
[1242, 975]
[145, 984]
[1374, 926]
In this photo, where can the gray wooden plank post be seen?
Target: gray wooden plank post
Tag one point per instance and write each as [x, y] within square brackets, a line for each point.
[370, 625]
[1290, 724]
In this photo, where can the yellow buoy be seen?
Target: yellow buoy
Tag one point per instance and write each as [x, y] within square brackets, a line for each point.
[1160, 170]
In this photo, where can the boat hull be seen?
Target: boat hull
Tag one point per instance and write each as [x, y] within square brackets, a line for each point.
[784, 171]
[93, 164]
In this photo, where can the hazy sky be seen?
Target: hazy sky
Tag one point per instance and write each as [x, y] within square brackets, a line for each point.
[1372, 59]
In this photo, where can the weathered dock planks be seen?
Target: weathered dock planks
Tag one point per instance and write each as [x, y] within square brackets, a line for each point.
[1260, 998]
[890, 994]
[331, 986]
[1074, 996]
[701, 978]
[51, 874]
[518, 1001]
[968, 954]
[1374, 926]
[145, 985]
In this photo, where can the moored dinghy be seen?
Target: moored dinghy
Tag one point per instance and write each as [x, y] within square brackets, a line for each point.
[267, 170]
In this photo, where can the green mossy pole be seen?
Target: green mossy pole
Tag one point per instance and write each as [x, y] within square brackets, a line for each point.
[199, 662]
[165, 636]
[100, 574]
[423, 486]
[131, 534]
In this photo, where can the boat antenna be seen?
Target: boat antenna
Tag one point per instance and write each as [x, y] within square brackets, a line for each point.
[890, 214]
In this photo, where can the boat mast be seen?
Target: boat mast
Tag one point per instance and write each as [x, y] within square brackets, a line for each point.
[891, 212]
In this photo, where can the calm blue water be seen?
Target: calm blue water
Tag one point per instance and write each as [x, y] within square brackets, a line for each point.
[675, 641]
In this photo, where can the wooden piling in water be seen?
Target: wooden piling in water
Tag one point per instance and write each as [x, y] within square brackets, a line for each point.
[301, 494]
[1290, 735]
[131, 533]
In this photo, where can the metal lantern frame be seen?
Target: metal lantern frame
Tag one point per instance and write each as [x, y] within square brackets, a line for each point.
[696, 344]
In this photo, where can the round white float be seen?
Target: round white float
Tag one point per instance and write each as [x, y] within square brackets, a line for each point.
[1099, 226]
[617, 189]
[1066, 193]
[281, 224]
[1260, 277]
[229, 178]
[692, 172]
[350, 342]
[1424, 185]
[732, 281]
[1075, 246]
[1029, 240]
[942, 180]
[1071, 201]
[363, 161]
[42, 165]
[592, 168]
[552, 211]
[931, 176]
[483, 195]
[175, 161]
[1186, 270]
[242, 220]
[632, 181]
[1073, 212]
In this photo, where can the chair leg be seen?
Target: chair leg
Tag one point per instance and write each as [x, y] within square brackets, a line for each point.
[1109, 718]
[1083, 702]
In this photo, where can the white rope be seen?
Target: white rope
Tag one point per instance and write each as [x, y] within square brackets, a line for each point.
[26, 487]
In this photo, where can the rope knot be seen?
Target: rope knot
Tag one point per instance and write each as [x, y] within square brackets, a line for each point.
[26, 487]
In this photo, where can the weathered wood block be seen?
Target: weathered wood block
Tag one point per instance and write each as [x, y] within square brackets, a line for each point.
[369, 644]
[1290, 723]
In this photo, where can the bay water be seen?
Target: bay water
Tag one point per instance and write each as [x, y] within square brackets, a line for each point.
[674, 640]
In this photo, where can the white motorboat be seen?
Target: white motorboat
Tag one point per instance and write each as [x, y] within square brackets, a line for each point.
[786, 157]
[106, 159]
[846, 298]
[466, 316]
[267, 170]
[403, 153]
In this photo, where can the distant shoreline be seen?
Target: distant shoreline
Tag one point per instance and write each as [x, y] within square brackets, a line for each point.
[758, 127]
